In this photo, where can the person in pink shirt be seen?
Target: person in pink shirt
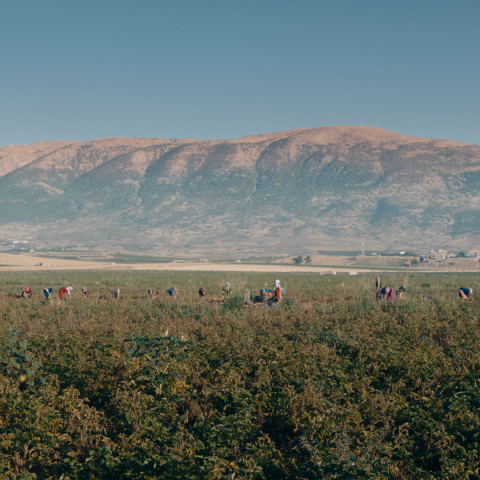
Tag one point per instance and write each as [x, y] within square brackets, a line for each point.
[27, 292]
[389, 294]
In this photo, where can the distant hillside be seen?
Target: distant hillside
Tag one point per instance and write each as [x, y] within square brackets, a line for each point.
[302, 190]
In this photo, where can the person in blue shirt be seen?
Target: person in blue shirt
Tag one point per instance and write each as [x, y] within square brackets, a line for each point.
[173, 292]
[465, 293]
[48, 293]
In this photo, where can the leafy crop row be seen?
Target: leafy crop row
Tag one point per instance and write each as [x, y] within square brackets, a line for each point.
[335, 386]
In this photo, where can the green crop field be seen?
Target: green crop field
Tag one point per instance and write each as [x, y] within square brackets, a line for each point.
[333, 386]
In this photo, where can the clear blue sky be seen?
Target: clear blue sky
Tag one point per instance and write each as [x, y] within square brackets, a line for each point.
[79, 70]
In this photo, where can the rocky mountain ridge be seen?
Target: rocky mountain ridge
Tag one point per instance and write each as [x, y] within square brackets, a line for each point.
[301, 190]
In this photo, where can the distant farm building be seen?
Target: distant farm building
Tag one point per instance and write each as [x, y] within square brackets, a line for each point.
[440, 255]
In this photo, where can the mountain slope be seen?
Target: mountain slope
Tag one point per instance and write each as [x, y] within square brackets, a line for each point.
[306, 189]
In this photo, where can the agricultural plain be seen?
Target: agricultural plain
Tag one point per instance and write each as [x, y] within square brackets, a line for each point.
[333, 385]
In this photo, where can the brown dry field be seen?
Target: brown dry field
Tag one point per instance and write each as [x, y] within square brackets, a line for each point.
[28, 262]
[19, 262]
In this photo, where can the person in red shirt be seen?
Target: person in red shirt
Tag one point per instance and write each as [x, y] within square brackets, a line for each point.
[277, 296]
[86, 294]
[65, 290]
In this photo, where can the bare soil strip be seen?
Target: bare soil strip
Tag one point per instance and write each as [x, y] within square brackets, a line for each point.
[19, 262]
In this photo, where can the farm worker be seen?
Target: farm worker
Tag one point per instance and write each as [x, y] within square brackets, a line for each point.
[277, 296]
[116, 293]
[278, 287]
[173, 292]
[202, 292]
[85, 292]
[226, 291]
[378, 287]
[65, 290]
[153, 294]
[401, 292]
[465, 293]
[48, 293]
[388, 293]
[265, 294]
[27, 292]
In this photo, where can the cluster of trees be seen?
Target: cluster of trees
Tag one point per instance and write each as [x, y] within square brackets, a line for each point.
[300, 260]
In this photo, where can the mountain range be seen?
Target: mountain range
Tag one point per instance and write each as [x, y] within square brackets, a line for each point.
[304, 190]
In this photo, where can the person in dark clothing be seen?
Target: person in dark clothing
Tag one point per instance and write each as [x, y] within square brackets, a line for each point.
[465, 293]
[173, 292]
[378, 288]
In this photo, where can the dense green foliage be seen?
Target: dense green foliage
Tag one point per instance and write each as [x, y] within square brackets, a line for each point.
[335, 386]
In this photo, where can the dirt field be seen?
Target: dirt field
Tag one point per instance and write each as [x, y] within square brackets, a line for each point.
[28, 262]
[20, 262]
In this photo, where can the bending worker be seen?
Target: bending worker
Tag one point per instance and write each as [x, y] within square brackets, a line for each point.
[65, 290]
[27, 292]
[153, 294]
[173, 292]
[388, 293]
[402, 292]
[226, 291]
[465, 293]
